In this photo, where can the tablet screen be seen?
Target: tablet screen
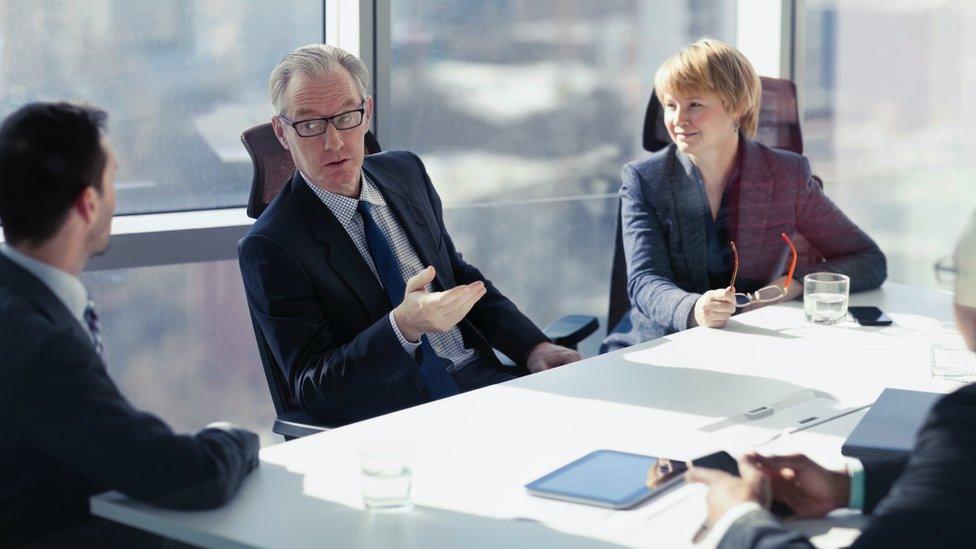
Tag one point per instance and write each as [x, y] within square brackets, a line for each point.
[603, 477]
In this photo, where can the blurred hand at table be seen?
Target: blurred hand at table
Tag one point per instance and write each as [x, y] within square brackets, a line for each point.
[714, 308]
[548, 355]
[810, 490]
[725, 491]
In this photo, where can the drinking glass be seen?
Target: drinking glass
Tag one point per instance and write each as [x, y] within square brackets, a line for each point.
[950, 357]
[386, 476]
[825, 297]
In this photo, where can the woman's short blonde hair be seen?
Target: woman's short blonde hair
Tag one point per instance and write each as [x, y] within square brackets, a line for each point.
[713, 67]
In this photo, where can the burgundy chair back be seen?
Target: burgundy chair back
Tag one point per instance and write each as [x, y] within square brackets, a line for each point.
[273, 167]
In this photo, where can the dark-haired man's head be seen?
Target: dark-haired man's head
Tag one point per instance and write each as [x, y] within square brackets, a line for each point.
[57, 191]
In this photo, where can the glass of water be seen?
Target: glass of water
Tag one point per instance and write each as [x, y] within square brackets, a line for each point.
[386, 476]
[951, 358]
[825, 297]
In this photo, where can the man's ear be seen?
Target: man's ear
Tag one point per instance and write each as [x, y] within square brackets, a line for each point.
[369, 110]
[279, 129]
[86, 204]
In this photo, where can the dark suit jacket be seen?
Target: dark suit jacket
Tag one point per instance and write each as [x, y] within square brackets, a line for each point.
[925, 500]
[67, 433]
[325, 316]
[663, 210]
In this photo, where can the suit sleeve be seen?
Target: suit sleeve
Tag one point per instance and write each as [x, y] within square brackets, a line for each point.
[650, 279]
[326, 378]
[761, 530]
[879, 475]
[72, 412]
[495, 316]
[916, 501]
[935, 486]
[847, 249]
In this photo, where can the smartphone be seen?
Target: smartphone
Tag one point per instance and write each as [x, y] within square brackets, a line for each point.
[719, 460]
[869, 316]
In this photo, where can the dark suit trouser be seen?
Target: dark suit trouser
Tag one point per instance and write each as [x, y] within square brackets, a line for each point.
[480, 372]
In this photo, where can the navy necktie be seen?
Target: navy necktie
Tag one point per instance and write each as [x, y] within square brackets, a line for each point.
[433, 369]
[94, 327]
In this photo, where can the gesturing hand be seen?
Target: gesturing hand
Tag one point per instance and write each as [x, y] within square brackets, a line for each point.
[423, 312]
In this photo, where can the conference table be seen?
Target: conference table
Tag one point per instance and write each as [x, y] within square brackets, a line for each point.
[672, 397]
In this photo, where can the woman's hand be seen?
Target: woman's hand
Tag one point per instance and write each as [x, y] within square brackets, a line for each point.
[794, 291]
[714, 308]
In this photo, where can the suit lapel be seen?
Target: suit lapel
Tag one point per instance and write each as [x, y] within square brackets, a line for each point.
[755, 188]
[25, 284]
[690, 209]
[341, 253]
[411, 218]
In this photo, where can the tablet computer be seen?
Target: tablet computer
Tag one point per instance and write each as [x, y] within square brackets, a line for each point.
[607, 478]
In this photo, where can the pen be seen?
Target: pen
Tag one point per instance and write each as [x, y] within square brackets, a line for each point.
[821, 421]
[701, 532]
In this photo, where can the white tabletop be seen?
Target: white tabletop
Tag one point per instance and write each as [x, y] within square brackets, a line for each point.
[474, 452]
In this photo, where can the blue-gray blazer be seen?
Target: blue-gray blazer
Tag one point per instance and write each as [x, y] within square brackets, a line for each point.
[663, 210]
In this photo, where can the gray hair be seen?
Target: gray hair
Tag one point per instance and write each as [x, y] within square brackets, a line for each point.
[315, 60]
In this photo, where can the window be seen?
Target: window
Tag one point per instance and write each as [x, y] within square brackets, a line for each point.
[529, 99]
[892, 133]
[179, 343]
[181, 80]
[524, 113]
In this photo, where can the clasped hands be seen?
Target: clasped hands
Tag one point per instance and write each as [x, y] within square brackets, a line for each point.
[424, 312]
[810, 490]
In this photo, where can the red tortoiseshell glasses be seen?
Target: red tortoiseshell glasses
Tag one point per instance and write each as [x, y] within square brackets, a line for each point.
[766, 294]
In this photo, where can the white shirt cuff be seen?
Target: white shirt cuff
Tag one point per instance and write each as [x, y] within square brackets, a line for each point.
[722, 525]
[408, 346]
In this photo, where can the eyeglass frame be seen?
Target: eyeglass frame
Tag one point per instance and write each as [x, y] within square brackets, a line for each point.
[328, 120]
[755, 297]
[946, 270]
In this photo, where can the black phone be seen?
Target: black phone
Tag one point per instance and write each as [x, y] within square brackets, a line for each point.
[719, 460]
[869, 316]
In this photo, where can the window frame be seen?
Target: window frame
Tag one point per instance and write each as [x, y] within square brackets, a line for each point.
[363, 27]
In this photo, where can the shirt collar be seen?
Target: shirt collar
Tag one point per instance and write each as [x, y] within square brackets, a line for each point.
[68, 288]
[343, 207]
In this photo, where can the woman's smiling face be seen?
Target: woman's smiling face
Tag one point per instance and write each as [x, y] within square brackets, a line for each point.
[698, 123]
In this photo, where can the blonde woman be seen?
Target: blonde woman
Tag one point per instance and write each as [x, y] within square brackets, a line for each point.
[708, 221]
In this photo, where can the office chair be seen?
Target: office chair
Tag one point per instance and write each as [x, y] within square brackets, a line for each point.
[779, 128]
[273, 169]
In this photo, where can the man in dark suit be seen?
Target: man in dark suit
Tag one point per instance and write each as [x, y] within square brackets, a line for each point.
[920, 500]
[67, 432]
[365, 303]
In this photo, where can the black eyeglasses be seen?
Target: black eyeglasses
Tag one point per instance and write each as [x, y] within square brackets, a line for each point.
[317, 126]
[946, 270]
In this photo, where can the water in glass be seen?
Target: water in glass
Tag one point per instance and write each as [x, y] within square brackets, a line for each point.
[386, 476]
